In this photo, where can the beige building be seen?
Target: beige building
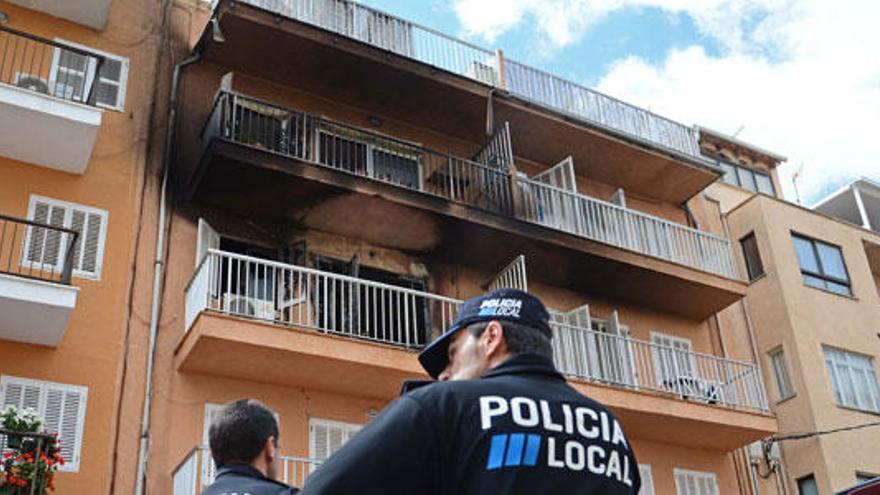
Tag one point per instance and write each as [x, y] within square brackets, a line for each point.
[813, 302]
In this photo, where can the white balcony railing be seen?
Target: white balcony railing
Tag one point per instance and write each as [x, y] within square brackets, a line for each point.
[348, 149]
[388, 32]
[290, 295]
[611, 224]
[196, 471]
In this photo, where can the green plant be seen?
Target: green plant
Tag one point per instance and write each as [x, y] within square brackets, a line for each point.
[29, 466]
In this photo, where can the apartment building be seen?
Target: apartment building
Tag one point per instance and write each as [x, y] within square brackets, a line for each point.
[813, 303]
[343, 178]
[75, 95]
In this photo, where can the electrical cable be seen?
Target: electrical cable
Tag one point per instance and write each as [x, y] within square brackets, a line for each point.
[799, 436]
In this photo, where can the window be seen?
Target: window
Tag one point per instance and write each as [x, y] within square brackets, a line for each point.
[62, 407]
[822, 265]
[326, 436]
[364, 154]
[853, 378]
[754, 267]
[673, 359]
[807, 486]
[695, 483]
[73, 74]
[863, 477]
[784, 389]
[49, 248]
[747, 178]
[647, 480]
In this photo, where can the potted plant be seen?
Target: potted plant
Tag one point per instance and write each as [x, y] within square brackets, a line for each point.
[28, 466]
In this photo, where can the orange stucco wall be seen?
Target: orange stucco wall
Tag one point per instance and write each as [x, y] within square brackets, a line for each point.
[91, 353]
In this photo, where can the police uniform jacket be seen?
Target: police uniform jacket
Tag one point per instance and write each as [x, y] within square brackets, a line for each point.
[519, 429]
[241, 479]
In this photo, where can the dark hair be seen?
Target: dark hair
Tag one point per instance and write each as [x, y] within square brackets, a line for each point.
[240, 430]
[519, 338]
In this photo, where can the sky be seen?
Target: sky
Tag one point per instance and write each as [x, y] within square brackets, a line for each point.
[800, 78]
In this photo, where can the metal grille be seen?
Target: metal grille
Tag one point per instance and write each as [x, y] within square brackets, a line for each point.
[48, 67]
[356, 151]
[290, 295]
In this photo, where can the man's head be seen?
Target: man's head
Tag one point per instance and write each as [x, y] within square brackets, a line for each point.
[245, 432]
[487, 330]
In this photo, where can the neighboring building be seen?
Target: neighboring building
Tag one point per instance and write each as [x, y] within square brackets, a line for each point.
[814, 303]
[75, 101]
[857, 203]
[337, 193]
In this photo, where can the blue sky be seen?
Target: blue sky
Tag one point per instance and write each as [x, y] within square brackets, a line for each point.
[800, 78]
[649, 32]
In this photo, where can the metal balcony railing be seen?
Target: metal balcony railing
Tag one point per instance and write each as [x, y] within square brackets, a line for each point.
[388, 32]
[295, 296]
[319, 141]
[48, 67]
[609, 223]
[641, 365]
[36, 250]
[263, 125]
[196, 471]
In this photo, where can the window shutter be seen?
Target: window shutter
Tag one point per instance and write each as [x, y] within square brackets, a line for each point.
[91, 236]
[64, 413]
[109, 84]
[44, 246]
[208, 238]
[647, 480]
[326, 437]
[21, 395]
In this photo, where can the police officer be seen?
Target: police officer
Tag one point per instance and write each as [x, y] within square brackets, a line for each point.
[501, 420]
[244, 445]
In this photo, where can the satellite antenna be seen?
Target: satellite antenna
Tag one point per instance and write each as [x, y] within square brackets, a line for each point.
[794, 180]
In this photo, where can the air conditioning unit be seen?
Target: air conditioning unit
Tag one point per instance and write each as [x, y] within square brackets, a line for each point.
[482, 72]
[32, 83]
[248, 306]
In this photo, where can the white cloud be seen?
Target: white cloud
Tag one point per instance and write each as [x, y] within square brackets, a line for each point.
[816, 100]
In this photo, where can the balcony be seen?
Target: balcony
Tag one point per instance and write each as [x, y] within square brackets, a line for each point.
[402, 195]
[36, 298]
[48, 115]
[442, 83]
[282, 314]
[91, 13]
[197, 471]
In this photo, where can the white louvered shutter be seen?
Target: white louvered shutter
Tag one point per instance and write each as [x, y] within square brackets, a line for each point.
[326, 437]
[20, 394]
[208, 238]
[647, 480]
[44, 247]
[64, 412]
[61, 406]
[209, 469]
[49, 247]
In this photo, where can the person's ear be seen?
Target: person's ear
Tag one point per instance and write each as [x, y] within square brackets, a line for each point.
[270, 451]
[493, 339]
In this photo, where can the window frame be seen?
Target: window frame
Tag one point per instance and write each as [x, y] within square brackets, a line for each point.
[350, 429]
[752, 237]
[736, 182]
[91, 73]
[69, 207]
[810, 477]
[818, 259]
[829, 352]
[777, 355]
[705, 475]
[71, 465]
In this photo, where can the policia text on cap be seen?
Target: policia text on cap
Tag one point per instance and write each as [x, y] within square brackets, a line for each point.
[500, 420]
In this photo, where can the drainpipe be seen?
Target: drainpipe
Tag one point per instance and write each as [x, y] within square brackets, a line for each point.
[157, 272]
